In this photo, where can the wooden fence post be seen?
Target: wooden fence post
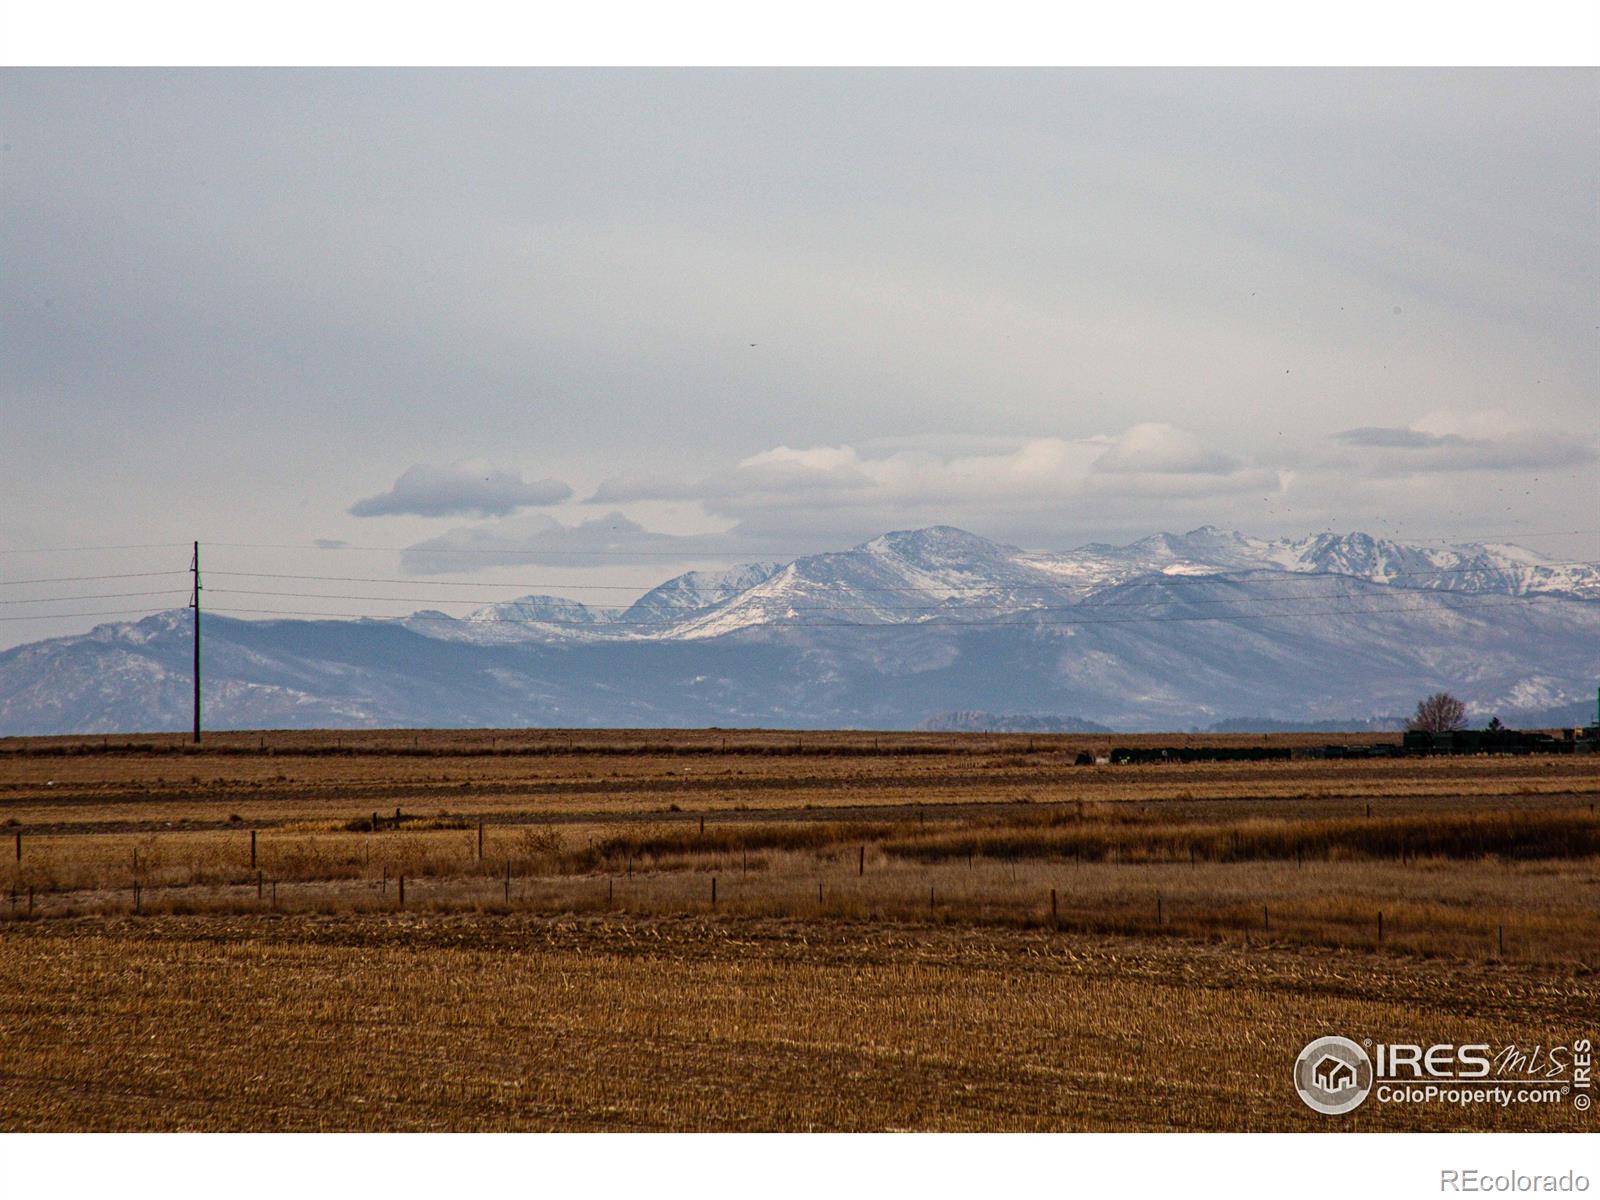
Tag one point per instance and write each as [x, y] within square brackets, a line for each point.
[19, 845]
[386, 879]
[861, 868]
[1380, 925]
[610, 891]
[1159, 919]
[930, 897]
[480, 841]
[274, 893]
[1055, 916]
[713, 891]
[1501, 937]
[252, 849]
[1266, 918]
[136, 896]
[402, 891]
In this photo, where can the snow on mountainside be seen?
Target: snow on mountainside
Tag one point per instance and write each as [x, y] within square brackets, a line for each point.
[532, 618]
[555, 619]
[947, 574]
[1469, 567]
[944, 574]
[694, 592]
[899, 578]
[1172, 631]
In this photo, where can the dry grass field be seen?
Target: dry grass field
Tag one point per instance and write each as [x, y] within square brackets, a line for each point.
[742, 930]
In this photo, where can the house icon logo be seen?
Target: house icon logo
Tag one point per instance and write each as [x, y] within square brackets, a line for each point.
[1333, 1075]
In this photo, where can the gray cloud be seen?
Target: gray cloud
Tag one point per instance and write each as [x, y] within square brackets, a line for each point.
[459, 490]
[610, 540]
[1380, 436]
[1412, 451]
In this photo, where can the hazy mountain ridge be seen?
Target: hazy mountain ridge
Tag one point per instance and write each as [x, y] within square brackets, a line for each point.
[947, 574]
[1170, 632]
[987, 722]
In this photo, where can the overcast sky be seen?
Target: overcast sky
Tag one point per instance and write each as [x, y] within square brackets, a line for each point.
[689, 317]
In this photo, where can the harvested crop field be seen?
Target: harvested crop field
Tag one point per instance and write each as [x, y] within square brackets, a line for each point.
[766, 931]
[467, 1022]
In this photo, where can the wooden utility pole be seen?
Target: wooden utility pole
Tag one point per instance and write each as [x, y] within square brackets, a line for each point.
[194, 603]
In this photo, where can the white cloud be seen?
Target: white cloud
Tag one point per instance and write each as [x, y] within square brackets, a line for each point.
[1163, 450]
[458, 490]
[973, 476]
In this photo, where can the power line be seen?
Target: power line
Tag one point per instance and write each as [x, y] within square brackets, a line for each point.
[116, 612]
[86, 549]
[92, 596]
[87, 578]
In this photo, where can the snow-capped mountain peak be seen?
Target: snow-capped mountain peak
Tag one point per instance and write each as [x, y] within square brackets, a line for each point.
[696, 591]
[1164, 632]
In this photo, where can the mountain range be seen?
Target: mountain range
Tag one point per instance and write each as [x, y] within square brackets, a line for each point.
[1171, 631]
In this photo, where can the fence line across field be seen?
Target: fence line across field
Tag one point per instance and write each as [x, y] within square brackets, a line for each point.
[489, 878]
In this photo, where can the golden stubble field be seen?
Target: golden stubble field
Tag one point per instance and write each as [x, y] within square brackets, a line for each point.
[709, 930]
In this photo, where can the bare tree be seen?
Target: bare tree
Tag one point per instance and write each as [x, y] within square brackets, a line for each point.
[1439, 713]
